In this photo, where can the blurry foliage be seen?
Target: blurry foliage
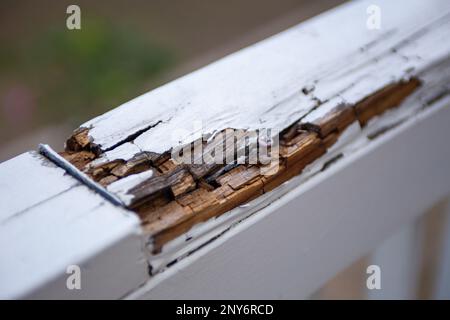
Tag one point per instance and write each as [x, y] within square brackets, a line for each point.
[75, 74]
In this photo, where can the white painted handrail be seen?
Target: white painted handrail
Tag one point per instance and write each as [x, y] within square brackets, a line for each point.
[286, 243]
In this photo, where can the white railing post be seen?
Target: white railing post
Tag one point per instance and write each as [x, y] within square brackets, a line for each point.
[399, 259]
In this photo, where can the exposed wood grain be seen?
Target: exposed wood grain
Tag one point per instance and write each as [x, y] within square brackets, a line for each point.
[79, 140]
[387, 98]
[239, 185]
[79, 159]
[172, 199]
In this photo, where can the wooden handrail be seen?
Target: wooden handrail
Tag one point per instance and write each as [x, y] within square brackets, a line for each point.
[339, 100]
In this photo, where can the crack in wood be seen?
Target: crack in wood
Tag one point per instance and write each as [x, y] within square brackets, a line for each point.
[179, 196]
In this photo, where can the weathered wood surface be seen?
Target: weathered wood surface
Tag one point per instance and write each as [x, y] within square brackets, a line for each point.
[307, 82]
[329, 90]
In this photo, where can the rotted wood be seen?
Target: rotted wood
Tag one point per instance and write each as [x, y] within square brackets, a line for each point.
[176, 196]
[301, 144]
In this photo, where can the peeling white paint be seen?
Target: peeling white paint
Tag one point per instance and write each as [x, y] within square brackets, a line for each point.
[122, 186]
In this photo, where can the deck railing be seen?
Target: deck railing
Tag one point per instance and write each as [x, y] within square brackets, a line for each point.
[357, 100]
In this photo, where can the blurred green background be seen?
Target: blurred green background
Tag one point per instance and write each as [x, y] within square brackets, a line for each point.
[53, 79]
[72, 74]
